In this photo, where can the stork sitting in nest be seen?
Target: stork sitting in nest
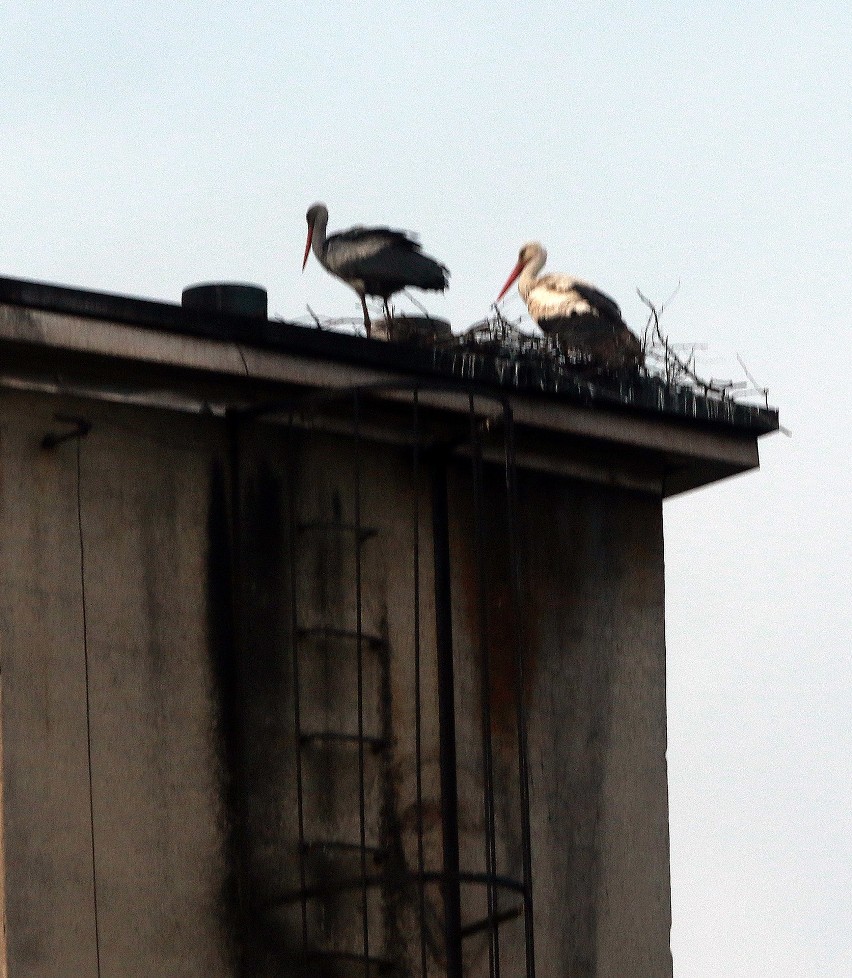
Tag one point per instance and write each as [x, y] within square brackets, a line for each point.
[586, 323]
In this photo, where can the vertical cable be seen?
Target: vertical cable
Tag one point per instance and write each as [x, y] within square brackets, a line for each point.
[485, 695]
[523, 760]
[450, 879]
[365, 926]
[297, 710]
[418, 744]
[88, 706]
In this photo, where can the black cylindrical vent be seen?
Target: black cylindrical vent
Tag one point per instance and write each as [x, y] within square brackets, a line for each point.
[228, 298]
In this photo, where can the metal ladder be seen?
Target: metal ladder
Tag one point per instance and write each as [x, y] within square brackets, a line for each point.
[347, 639]
[350, 639]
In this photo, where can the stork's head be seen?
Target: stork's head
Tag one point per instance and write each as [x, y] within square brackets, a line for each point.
[317, 218]
[532, 251]
[532, 256]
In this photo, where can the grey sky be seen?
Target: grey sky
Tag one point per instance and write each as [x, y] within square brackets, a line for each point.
[152, 146]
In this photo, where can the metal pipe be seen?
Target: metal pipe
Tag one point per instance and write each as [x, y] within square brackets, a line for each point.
[485, 692]
[362, 817]
[446, 721]
[523, 751]
[418, 731]
[294, 640]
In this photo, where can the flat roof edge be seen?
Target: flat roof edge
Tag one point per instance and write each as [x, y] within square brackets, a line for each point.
[645, 395]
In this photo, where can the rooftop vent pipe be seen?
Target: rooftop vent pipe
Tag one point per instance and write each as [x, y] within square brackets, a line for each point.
[226, 298]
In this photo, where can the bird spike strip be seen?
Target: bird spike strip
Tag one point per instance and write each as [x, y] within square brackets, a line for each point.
[513, 342]
[662, 361]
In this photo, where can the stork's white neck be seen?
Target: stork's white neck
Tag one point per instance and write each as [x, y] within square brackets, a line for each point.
[535, 263]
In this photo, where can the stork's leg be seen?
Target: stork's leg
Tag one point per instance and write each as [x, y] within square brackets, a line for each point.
[387, 310]
[367, 323]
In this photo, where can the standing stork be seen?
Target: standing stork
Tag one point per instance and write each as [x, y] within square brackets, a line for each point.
[584, 320]
[372, 261]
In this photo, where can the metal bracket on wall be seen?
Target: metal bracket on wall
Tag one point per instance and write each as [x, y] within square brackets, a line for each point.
[80, 428]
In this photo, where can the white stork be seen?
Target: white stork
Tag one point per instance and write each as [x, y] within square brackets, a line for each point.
[372, 261]
[584, 320]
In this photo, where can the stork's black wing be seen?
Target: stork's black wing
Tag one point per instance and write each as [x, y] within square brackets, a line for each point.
[598, 300]
[384, 260]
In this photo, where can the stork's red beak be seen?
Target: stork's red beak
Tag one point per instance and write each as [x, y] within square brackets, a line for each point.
[516, 271]
[308, 245]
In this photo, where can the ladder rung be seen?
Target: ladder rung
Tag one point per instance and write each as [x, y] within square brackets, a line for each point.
[382, 966]
[327, 889]
[376, 744]
[499, 918]
[377, 852]
[363, 532]
[322, 631]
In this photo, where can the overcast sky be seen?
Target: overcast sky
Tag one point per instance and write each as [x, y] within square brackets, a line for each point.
[146, 147]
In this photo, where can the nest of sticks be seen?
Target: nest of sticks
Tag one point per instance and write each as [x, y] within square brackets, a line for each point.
[568, 351]
[575, 350]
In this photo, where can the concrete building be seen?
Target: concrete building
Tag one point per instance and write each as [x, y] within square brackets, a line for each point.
[329, 655]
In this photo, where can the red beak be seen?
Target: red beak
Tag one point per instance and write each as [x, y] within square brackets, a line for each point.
[516, 271]
[308, 245]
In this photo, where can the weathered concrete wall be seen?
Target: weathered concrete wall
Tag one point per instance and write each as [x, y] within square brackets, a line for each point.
[192, 712]
[592, 633]
[158, 869]
[3, 970]
[594, 587]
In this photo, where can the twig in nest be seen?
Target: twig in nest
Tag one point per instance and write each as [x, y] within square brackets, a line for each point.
[411, 298]
[758, 389]
[326, 322]
[668, 301]
[675, 367]
[315, 318]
